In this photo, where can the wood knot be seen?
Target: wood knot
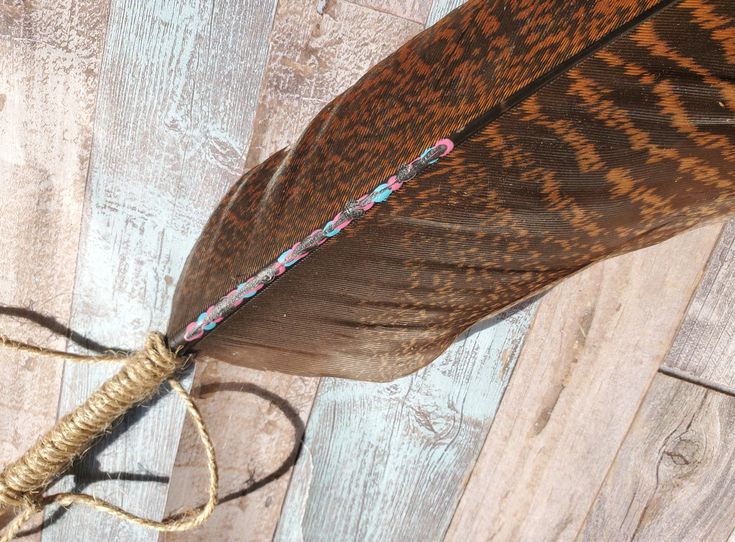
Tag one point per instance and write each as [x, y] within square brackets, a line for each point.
[683, 452]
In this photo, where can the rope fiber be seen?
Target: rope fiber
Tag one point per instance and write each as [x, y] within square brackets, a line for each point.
[24, 482]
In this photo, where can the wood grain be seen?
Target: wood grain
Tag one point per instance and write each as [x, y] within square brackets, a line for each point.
[313, 57]
[175, 108]
[703, 349]
[673, 477]
[49, 70]
[596, 344]
[440, 8]
[389, 461]
[257, 421]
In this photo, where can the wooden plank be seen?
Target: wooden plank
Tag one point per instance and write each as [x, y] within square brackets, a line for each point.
[257, 420]
[677, 459]
[389, 461]
[673, 477]
[703, 348]
[49, 70]
[175, 110]
[314, 56]
[440, 8]
[596, 344]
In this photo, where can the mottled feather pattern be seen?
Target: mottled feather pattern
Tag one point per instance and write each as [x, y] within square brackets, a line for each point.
[627, 147]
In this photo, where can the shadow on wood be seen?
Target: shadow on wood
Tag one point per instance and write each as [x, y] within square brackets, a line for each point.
[86, 472]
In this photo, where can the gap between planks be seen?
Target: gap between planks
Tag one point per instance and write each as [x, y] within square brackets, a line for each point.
[699, 347]
[674, 463]
[420, 9]
[697, 381]
[710, 278]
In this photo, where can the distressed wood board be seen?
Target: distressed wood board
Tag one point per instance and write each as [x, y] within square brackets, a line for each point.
[673, 477]
[177, 94]
[388, 461]
[314, 55]
[49, 70]
[704, 347]
[440, 8]
[596, 344]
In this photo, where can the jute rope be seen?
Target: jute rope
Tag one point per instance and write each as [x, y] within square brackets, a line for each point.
[23, 483]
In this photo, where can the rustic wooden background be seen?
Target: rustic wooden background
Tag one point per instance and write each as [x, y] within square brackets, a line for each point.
[602, 411]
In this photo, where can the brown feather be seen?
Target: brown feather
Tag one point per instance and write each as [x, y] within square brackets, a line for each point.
[626, 147]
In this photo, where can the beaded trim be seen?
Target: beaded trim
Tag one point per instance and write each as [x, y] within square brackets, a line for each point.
[355, 209]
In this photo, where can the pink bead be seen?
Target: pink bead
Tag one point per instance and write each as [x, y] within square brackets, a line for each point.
[393, 183]
[190, 329]
[365, 206]
[447, 143]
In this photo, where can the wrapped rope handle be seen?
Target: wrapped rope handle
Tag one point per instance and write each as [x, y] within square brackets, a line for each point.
[23, 482]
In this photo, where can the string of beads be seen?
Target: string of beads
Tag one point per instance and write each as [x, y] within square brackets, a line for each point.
[225, 306]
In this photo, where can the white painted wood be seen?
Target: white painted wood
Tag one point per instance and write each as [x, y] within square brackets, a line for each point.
[440, 8]
[389, 461]
[177, 95]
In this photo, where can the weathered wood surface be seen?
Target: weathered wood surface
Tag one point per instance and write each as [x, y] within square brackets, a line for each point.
[440, 8]
[315, 54]
[389, 461]
[49, 69]
[178, 87]
[180, 100]
[704, 349]
[673, 477]
[257, 421]
[596, 344]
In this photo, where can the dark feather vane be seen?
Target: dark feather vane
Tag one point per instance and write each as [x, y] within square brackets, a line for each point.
[582, 129]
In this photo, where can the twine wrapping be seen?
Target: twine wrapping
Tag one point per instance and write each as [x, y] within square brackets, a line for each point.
[23, 483]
